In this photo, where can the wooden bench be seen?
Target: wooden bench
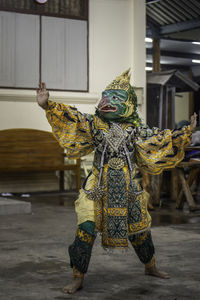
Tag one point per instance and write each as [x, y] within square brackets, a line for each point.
[30, 150]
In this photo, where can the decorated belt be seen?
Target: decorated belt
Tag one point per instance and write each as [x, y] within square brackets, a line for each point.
[116, 163]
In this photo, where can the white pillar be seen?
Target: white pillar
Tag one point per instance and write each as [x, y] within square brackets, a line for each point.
[139, 51]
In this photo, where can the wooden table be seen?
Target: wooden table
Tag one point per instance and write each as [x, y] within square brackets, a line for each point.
[181, 185]
[193, 167]
[182, 177]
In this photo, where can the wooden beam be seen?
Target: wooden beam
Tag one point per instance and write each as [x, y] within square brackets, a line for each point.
[175, 54]
[179, 27]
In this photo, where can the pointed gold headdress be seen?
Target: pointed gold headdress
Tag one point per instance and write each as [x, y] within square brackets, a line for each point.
[121, 82]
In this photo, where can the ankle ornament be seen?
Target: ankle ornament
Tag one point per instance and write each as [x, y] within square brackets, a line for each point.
[151, 264]
[77, 274]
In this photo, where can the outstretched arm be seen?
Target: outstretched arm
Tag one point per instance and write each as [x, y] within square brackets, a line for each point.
[157, 150]
[70, 127]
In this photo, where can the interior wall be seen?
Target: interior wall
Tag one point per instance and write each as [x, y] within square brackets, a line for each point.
[116, 42]
[181, 107]
[110, 41]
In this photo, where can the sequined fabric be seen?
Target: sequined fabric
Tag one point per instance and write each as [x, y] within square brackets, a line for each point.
[143, 245]
[71, 128]
[81, 249]
[157, 150]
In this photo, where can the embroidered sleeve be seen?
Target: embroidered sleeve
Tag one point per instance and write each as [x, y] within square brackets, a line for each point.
[157, 150]
[71, 128]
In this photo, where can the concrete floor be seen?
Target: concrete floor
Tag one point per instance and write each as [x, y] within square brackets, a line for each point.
[35, 264]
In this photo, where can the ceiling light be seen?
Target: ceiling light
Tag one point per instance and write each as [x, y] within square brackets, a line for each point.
[148, 68]
[148, 40]
[196, 61]
[41, 1]
[196, 43]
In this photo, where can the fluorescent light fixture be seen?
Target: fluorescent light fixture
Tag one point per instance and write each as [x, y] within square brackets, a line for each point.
[41, 1]
[148, 68]
[196, 43]
[196, 61]
[148, 40]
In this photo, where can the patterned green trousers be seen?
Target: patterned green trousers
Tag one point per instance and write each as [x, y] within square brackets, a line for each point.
[81, 249]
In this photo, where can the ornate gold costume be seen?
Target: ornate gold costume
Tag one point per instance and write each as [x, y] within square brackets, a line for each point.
[112, 200]
[152, 150]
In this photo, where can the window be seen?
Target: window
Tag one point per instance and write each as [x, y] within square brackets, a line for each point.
[44, 43]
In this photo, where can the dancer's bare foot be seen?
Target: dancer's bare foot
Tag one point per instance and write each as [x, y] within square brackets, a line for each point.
[150, 269]
[154, 272]
[74, 286]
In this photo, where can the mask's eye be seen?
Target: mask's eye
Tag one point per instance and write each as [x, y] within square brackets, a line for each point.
[115, 97]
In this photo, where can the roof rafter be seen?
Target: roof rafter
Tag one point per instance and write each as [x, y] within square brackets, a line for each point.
[177, 27]
[182, 26]
[171, 66]
[152, 1]
[175, 54]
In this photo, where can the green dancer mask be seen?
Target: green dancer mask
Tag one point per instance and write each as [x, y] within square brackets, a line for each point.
[119, 102]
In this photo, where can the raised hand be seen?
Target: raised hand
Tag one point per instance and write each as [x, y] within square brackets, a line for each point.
[193, 121]
[42, 95]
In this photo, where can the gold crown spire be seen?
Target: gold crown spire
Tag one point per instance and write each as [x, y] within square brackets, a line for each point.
[121, 82]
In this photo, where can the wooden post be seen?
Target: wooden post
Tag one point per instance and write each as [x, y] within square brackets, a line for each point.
[156, 55]
[191, 98]
[61, 181]
[173, 93]
[160, 121]
[175, 186]
[166, 106]
[157, 179]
